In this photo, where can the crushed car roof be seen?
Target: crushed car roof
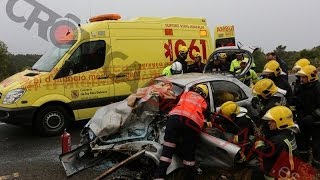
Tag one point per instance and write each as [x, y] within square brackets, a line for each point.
[184, 79]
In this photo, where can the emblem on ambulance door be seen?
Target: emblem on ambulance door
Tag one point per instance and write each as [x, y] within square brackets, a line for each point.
[74, 94]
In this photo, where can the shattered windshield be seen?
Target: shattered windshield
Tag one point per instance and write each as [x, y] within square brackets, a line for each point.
[177, 89]
[51, 57]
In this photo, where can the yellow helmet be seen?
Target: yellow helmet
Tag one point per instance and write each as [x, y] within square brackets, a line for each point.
[281, 115]
[265, 88]
[203, 90]
[245, 60]
[309, 71]
[222, 55]
[197, 54]
[300, 63]
[226, 96]
[272, 67]
[183, 49]
[229, 109]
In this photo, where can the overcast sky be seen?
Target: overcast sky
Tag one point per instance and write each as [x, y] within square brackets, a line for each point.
[263, 23]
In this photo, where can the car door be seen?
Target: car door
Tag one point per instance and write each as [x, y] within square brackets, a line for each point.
[86, 82]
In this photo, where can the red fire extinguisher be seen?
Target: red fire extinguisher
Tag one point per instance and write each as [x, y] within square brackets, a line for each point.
[65, 140]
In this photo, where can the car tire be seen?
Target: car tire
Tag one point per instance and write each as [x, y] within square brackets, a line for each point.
[52, 120]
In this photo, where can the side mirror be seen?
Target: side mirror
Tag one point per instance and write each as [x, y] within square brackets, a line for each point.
[255, 102]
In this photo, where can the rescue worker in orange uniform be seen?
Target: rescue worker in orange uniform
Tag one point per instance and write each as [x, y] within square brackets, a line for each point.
[185, 122]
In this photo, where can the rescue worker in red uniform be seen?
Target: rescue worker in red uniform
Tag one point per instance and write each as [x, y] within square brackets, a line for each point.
[185, 122]
[308, 109]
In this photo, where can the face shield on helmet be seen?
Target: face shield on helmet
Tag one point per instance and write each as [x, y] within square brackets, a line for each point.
[300, 63]
[176, 68]
[281, 115]
[231, 110]
[310, 71]
[264, 88]
[201, 89]
[272, 68]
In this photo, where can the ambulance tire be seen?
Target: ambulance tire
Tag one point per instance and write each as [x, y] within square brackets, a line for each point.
[52, 120]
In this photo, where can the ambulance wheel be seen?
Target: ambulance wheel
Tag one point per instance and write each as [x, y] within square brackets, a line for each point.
[51, 120]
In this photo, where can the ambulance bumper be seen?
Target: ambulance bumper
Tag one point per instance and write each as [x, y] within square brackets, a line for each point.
[17, 116]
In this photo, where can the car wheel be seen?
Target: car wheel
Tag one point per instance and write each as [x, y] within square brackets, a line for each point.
[51, 120]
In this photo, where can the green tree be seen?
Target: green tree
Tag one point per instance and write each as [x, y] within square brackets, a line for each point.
[3, 61]
[280, 51]
[20, 62]
[259, 60]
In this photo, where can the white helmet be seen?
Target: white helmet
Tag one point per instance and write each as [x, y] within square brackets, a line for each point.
[176, 68]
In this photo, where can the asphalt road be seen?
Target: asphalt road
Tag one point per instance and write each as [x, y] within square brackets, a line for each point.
[25, 155]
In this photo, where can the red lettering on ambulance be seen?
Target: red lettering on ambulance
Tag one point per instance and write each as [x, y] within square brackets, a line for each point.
[168, 48]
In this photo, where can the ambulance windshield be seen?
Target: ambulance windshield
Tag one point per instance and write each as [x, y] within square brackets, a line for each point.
[52, 57]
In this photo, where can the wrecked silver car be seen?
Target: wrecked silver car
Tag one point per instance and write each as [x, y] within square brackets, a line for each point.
[133, 129]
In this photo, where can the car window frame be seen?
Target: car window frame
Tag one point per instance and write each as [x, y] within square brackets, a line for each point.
[245, 97]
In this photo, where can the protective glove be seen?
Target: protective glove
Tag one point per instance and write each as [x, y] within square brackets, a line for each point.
[258, 144]
[207, 124]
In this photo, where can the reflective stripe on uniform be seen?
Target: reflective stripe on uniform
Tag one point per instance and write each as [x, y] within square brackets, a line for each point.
[185, 114]
[268, 178]
[191, 105]
[169, 144]
[290, 153]
[165, 159]
[236, 139]
[189, 163]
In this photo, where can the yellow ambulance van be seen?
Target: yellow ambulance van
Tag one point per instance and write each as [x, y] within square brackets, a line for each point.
[224, 35]
[108, 60]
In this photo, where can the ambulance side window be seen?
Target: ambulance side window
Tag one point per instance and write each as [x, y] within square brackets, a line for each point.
[88, 56]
